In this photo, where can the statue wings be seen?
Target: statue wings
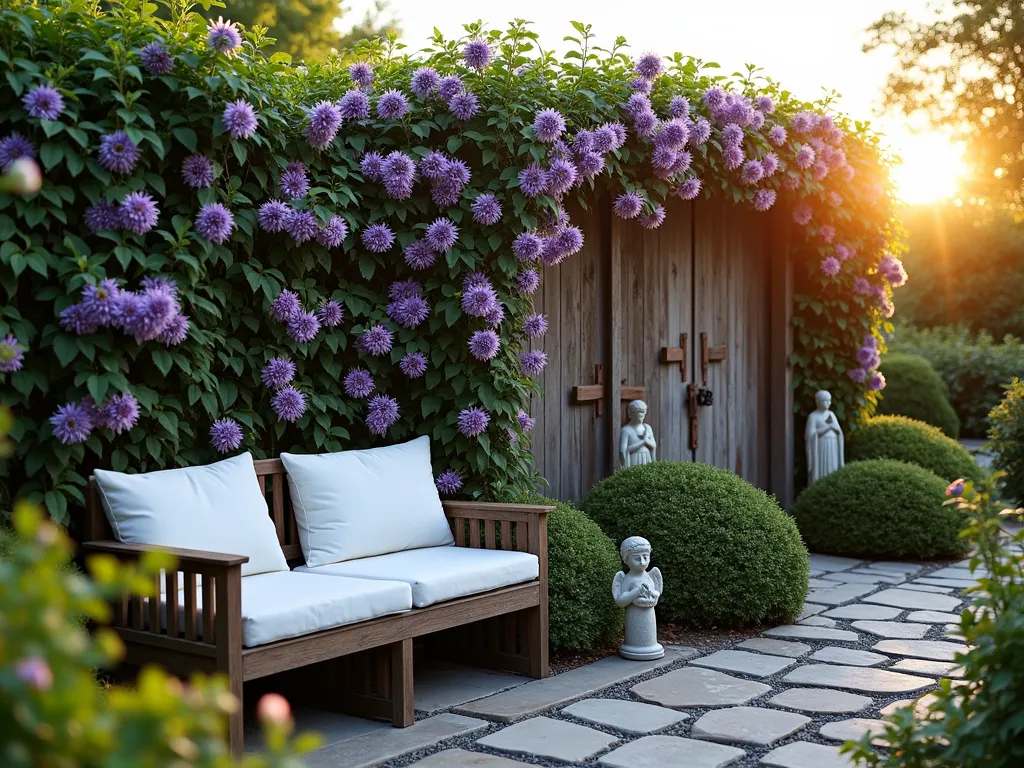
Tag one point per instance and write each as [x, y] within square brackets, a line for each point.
[617, 584]
[659, 583]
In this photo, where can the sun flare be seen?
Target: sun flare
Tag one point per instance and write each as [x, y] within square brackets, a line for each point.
[931, 170]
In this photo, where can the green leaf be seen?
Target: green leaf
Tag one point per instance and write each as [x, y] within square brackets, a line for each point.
[97, 386]
[51, 154]
[186, 137]
[228, 392]
[162, 359]
[66, 348]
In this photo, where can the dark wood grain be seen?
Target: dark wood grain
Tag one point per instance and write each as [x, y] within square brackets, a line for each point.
[190, 557]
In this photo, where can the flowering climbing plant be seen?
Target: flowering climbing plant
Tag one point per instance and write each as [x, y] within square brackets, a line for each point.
[230, 252]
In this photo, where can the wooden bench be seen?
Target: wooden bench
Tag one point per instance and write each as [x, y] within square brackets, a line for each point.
[509, 626]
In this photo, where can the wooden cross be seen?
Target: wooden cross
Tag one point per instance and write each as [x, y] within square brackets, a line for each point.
[710, 355]
[594, 393]
[676, 355]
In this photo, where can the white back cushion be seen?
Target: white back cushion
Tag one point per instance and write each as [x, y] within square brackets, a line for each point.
[364, 503]
[216, 508]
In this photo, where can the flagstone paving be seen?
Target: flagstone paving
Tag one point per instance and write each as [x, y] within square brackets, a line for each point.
[853, 729]
[861, 611]
[812, 633]
[864, 679]
[748, 725]
[803, 754]
[629, 716]
[753, 664]
[905, 598]
[937, 650]
[821, 700]
[897, 629]
[851, 656]
[775, 647]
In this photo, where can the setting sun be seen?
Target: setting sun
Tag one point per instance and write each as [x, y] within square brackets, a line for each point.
[931, 170]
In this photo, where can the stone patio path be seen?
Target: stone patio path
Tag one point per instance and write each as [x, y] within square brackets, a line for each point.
[869, 639]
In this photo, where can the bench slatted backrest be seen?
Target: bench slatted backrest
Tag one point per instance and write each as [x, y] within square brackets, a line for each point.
[273, 485]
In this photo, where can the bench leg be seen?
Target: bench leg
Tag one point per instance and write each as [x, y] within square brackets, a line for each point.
[228, 637]
[535, 640]
[402, 700]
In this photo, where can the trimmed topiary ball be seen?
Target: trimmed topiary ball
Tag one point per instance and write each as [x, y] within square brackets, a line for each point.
[582, 561]
[881, 508]
[913, 389]
[903, 439]
[1007, 437]
[729, 554]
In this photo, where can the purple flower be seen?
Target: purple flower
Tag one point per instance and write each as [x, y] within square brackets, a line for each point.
[397, 172]
[877, 383]
[484, 345]
[225, 435]
[533, 181]
[289, 404]
[424, 82]
[560, 176]
[679, 107]
[103, 217]
[392, 105]
[752, 172]
[240, 119]
[372, 166]
[764, 105]
[858, 375]
[361, 74]
[673, 135]
[448, 482]
[301, 225]
[11, 354]
[535, 325]
[331, 313]
[464, 105]
[827, 232]
[120, 413]
[830, 266]
[278, 372]
[354, 105]
[273, 216]
[473, 421]
[861, 286]
[441, 235]
[663, 159]
[733, 157]
[834, 198]
[648, 66]
[777, 135]
[548, 125]
[532, 362]
[956, 488]
[75, 319]
[804, 157]
[525, 422]
[654, 219]
[486, 210]
[197, 171]
[138, 212]
[44, 102]
[590, 164]
[175, 332]
[764, 199]
[449, 86]
[118, 153]
[604, 139]
[569, 240]
[477, 54]
[802, 122]
[528, 281]
[770, 164]
[285, 306]
[294, 181]
[418, 255]
[378, 238]
[495, 316]
[645, 123]
[146, 315]
[640, 85]
[72, 423]
[409, 311]
[479, 300]
[35, 672]
[527, 247]
[14, 147]
[637, 104]
[303, 326]
[223, 36]
[333, 234]
[689, 189]
[868, 357]
[376, 340]
[100, 302]
[628, 205]
[433, 165]
[324, 122]
[381, 413]
[215, 223]
[155, 59]
[358, 383]
[413, 365]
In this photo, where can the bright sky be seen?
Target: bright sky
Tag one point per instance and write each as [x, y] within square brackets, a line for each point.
[807, 45]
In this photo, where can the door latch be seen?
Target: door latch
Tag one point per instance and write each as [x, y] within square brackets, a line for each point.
[705, 397]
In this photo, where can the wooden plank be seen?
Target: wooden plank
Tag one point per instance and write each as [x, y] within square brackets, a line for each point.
[522, 537]
[780, 417]
[506, 535]
[228, 622]
[278, 508]
[171, 603]
[138, 613]
[209, 610]
[402, 697]
[536, 640]
[460, 532]
[614, 319]
[474, 534]
[190, 606]
[489, 537]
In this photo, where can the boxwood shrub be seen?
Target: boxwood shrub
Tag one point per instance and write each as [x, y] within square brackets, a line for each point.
[1007, 436]
[880, 508]
[915, 390]
[729, 554]
[903, 439]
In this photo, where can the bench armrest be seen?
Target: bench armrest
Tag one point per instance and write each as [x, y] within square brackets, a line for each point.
[495, 510]
[189, 559]
[497, 525]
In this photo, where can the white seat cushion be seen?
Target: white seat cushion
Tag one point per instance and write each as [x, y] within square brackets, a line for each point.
[356, 504]
[214, 508]
[286, 604]
[437, 574]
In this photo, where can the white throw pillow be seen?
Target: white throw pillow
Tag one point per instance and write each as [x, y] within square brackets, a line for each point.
[364, 503]
[215, 508]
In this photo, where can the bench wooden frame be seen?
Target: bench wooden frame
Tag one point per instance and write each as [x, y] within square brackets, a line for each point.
[508, 627]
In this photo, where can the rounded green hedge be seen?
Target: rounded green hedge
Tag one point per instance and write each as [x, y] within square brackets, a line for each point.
[913, 389]
[903, 439]
[880, 508]
[729, 554]
[582, 561]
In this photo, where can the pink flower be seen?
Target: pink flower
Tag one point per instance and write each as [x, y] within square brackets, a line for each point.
[273, 709]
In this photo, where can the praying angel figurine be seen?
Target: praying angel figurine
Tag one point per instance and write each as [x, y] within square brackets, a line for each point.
[638, 591]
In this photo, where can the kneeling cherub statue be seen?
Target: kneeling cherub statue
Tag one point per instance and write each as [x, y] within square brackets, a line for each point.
[638, 591]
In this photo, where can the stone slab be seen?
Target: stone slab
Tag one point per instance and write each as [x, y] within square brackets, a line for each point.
[833, 562]
[919, 601]
[753, 664]
[810, 609]
[899, 629]
[933, 617]
[920, 706]
[821, 700]
[331, 726]
[747, 725]
[817, 621]
[440, 685]
[956, 573]
[544, 737]
[390, 743]
[460, 758]
[898, 567]
[538, 695]
[815, 572]
[803, 754]
[622, 715]
[671, 752]
[861, 576]
[936, 650]
[696, 687]
[815, 583]
[799, 632]
[926, 588]
[776, 647]
[839, 594]
[851, 656]
[926, 667]
[865, 679]
[853, 730]
[863, 611]
[963, 583]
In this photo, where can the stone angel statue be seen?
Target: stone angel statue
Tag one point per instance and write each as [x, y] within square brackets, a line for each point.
[638, 590]
[824, 440]
[636, 439]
